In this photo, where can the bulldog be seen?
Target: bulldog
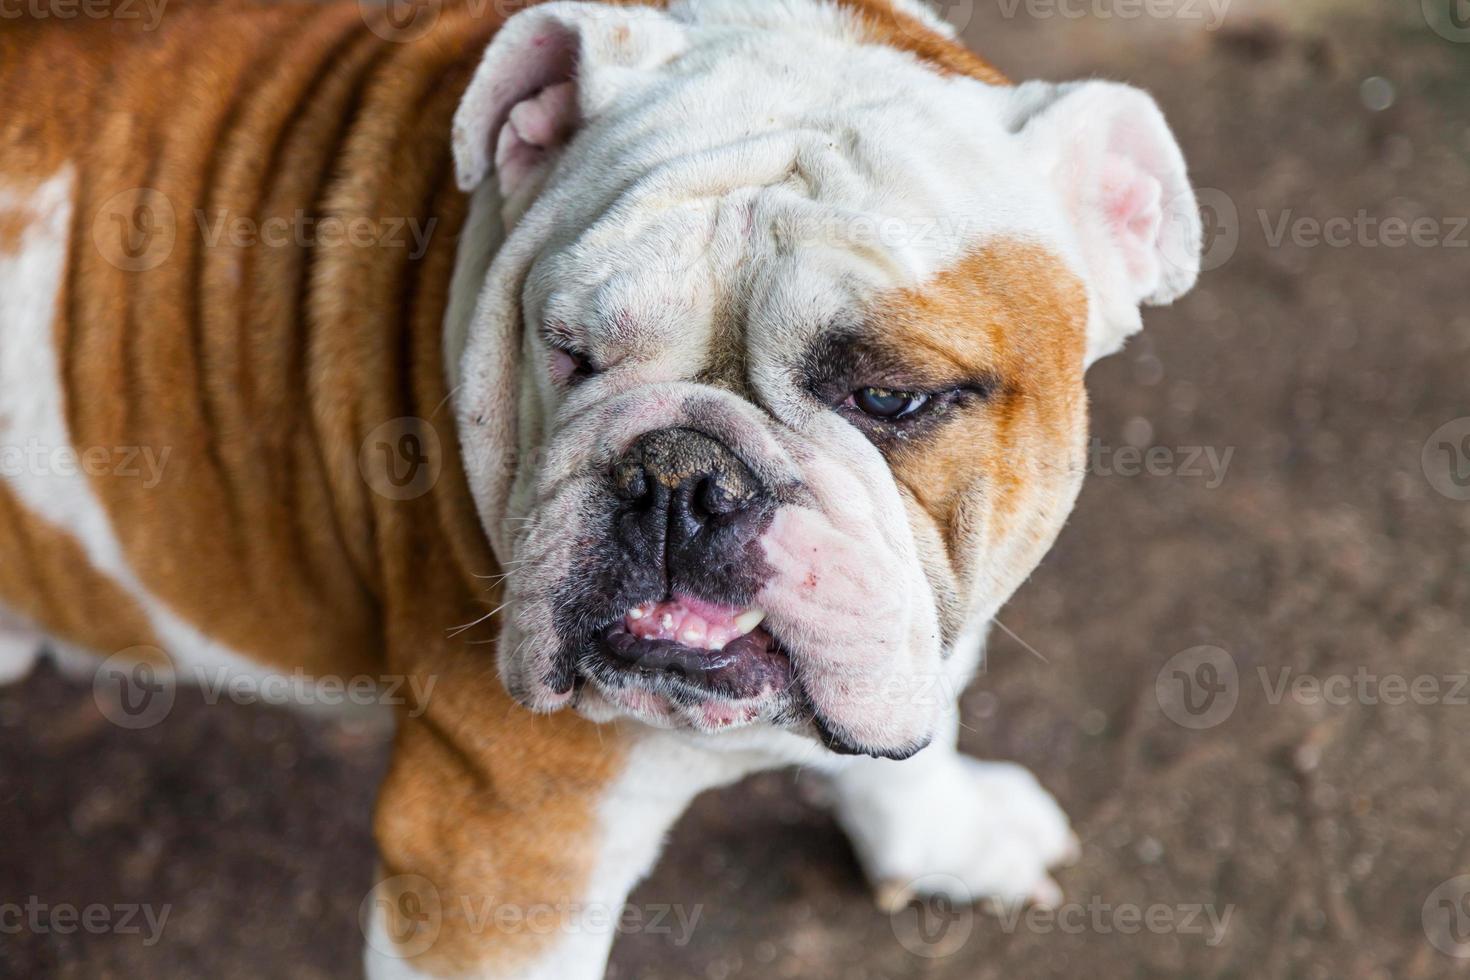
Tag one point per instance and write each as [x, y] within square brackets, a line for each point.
[655, 393]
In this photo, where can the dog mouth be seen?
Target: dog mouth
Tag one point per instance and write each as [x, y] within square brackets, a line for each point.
[714, 665]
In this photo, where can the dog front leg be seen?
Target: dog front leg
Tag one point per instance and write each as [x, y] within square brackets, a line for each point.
[942, 823]
[509, 851]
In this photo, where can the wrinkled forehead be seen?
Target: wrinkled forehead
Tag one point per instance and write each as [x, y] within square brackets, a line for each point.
[824, 180]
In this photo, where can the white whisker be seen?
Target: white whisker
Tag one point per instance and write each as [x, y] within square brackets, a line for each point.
[456, 631]
[452, 392]
[1029, 648]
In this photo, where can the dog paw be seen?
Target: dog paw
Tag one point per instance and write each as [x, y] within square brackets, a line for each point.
[988, 831]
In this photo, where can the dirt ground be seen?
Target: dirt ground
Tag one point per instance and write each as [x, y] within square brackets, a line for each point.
[1301, 814]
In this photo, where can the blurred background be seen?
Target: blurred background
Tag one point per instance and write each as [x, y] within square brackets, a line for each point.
[1244, 670]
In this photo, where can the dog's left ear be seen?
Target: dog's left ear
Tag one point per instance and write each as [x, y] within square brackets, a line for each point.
[547, 71]
[1121, 177]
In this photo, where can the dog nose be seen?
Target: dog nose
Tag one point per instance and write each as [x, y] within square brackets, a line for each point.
[689, 504]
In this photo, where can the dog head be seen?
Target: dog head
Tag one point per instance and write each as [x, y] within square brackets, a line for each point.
[773, 392]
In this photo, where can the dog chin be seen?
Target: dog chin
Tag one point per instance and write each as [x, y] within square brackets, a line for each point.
[602, 705]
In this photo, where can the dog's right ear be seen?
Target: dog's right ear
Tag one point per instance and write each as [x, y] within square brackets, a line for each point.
[548, 70]
[1111, 158]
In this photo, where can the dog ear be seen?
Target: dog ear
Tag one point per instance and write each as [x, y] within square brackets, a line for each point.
[547, 71]
[1110, 156]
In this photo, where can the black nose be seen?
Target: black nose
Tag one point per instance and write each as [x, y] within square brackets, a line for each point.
[693, 509]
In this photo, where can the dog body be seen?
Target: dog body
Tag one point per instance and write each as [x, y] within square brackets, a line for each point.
[730, 354]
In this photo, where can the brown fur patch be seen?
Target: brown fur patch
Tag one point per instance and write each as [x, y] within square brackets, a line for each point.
[1001, 472]
[47, 578]
[12, 224]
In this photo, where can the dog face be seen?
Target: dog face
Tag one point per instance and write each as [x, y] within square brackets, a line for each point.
[773, 393]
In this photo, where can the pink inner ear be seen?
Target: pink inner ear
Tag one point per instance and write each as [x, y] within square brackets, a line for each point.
[536, 127]
[1132, 204]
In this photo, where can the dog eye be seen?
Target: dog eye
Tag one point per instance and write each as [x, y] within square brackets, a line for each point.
[881, 403]
[569, 366]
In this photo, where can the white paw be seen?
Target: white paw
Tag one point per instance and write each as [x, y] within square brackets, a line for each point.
[987, 830]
